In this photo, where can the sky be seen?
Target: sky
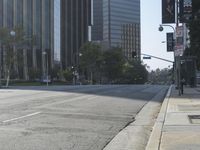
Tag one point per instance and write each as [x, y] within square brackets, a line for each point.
[151, 38]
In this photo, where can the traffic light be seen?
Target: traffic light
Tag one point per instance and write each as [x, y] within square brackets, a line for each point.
[134, 54]
[170, 42]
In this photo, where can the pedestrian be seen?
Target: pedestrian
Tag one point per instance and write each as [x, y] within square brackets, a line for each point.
[182, 84]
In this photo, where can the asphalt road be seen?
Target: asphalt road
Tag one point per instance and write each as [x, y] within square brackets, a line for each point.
[68, 117]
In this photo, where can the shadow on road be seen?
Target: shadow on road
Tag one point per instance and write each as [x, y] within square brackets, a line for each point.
[139, 92]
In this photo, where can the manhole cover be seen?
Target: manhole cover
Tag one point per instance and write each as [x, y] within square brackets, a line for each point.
[189, 107]
[194, 119]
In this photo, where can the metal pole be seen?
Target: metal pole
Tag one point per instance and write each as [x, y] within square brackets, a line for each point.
[177, 73]
[178, 58]
[157, 57]
[47, 69]
[0, 65]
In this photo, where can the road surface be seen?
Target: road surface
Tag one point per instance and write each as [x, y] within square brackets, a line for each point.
[69, 117]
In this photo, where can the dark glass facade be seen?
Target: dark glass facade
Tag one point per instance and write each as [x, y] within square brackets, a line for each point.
[36, 17]
[1, 13]
[75, 22]
[97, 27]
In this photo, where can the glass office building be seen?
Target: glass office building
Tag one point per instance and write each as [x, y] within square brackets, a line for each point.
[97, 27]
[120, 17]
[75, 26]
[39, 20]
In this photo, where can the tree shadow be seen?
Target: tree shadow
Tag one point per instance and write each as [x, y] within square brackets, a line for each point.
[130, 92]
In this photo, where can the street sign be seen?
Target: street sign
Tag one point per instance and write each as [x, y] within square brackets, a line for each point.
[170, 42]
[179, 47]
[185, 10]
[146, 57]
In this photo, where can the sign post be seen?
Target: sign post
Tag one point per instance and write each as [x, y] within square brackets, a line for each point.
[179, 47]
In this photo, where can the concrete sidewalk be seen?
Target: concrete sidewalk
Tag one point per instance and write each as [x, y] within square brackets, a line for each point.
[178, 124]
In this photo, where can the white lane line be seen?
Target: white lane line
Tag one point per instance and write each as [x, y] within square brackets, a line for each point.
[14, 119]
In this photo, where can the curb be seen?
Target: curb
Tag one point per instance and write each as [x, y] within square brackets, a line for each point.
[136, 135]
[155, 137]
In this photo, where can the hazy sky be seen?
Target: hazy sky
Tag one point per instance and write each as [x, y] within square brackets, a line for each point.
[151, 38]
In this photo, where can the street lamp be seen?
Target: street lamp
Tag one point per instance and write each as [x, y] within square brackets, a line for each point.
[161, 27]
[12, 33]
[47, 67]
[177, 73]
[0, 65]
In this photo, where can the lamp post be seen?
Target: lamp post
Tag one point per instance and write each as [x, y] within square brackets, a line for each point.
[177, 73]
[12, 34]
[0, 64]
[47, 67]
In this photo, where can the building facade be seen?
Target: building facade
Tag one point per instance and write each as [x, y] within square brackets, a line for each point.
[37, 19]
[75, 29]
[120, 24]
[130, 39]
[97, 27]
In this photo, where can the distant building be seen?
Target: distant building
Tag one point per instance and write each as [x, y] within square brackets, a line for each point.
[130, 39]
[39, 19]
[118, 24]
[75, 29]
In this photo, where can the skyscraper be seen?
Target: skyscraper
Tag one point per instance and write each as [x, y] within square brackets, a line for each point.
[120, 24]
[97, 28]
[75, 27]
[37, 18]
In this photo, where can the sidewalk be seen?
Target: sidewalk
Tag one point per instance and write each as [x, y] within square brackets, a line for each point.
[178, 124]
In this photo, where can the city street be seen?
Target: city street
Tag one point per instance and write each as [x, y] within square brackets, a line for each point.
[69, 117]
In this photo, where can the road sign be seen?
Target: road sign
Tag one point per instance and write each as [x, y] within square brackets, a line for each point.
[179, 47]
[185, 10]
[146, 57]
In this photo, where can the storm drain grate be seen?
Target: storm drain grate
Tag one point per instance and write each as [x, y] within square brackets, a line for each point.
[194, 119]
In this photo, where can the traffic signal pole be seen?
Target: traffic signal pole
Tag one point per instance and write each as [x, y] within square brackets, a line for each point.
[177, 58]
[157, 58]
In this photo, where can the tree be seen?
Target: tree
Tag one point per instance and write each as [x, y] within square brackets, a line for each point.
[113, 62]
[111, 65]
[11, 43]
[134, 73]
[161, 76]
[90, 60]
[68, 74]
[194, 27]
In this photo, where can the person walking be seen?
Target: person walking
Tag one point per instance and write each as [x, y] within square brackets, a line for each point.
[182, 84]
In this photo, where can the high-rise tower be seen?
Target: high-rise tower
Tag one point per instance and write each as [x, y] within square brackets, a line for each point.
[119, 21]
[37, 18]
[75, 29]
